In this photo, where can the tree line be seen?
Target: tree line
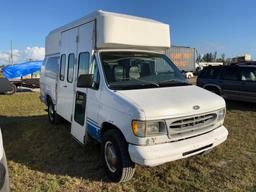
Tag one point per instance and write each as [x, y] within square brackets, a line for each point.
[213, 57]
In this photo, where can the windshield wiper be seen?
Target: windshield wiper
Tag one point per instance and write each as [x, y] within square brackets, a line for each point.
[173, 82]
[145, 81]
[128, 87]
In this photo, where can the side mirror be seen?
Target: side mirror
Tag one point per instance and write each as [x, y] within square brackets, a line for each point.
[85, 81]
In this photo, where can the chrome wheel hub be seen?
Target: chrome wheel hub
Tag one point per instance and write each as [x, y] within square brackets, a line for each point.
[110, 156]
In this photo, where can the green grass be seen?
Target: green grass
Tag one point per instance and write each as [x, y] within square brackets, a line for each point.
[43, 157]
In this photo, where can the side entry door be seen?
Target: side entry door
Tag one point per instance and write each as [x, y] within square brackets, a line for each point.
[84, 49]
[65, 88]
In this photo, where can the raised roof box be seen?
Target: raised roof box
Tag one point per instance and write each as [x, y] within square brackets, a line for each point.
[114, 30]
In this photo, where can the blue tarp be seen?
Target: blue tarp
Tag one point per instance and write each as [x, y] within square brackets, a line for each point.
[23, 69]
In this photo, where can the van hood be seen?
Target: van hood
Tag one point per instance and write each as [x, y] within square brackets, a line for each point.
[168, 102]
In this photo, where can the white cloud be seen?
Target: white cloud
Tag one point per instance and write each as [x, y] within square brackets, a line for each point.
[19, 56]
[35, 53]
[4, 58]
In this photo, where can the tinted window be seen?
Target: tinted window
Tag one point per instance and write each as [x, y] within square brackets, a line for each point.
[248, 74]
[80, 106]
[71, 63]
[62, 67]
[83, 64]
[209, 73]
[51, 67]
[231, 74]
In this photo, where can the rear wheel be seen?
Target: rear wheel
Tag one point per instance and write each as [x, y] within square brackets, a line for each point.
[53, 117]
[117, 162]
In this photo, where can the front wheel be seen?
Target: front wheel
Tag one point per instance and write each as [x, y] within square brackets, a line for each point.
[12, 91]
[117, 162]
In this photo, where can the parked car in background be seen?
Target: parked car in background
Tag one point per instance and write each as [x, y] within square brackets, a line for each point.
[4, 175]
[237, 82]
[6, 87]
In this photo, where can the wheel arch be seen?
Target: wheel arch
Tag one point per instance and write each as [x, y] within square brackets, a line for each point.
[48, 98]
[106, 126]
[207, 86]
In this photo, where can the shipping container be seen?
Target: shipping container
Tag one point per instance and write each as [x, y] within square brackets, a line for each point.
[183, 57]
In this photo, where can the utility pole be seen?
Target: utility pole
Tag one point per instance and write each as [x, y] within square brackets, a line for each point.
[11, 56]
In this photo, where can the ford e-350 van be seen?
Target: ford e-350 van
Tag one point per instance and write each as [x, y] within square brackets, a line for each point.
[104, 73]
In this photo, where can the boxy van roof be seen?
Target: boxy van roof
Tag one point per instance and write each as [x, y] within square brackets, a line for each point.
[114, 30]
[94, 15]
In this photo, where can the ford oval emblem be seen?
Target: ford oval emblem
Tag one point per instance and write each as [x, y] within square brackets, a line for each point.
[196, 107]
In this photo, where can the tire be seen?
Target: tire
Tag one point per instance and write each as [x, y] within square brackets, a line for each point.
[53, 117]
[115, 148]
[11, 92]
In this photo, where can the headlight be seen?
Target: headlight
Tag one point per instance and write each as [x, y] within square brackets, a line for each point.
[148, 128]
[221, 114]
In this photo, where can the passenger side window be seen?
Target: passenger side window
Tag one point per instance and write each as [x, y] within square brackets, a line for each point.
[94, 70]
[162, 66]
[231, 74]
[209, 73]
[51, 67]
[83, 64]
[248, 74]
[62, 67]
[71, 63]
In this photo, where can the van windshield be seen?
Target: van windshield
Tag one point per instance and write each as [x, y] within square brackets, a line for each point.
[139, 70]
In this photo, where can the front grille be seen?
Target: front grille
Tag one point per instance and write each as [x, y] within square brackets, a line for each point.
[194, 121]
[190, 126]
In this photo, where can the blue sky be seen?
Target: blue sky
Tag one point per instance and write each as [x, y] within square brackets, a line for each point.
[226, 26]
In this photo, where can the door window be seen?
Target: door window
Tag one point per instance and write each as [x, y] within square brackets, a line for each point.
[80, 107]
[62, 67]
[71, 63]
[51, 67]
[210, 73]
[230, 74]
[83, 64]
[249, 74]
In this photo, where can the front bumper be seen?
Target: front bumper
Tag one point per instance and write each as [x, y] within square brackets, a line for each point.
[154, 155]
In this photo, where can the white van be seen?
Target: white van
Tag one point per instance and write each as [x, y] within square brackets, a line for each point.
[103, 73]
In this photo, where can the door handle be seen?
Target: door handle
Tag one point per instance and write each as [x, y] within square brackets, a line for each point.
[65, 86]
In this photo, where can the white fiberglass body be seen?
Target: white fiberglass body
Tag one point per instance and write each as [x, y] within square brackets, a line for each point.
[102, 75]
